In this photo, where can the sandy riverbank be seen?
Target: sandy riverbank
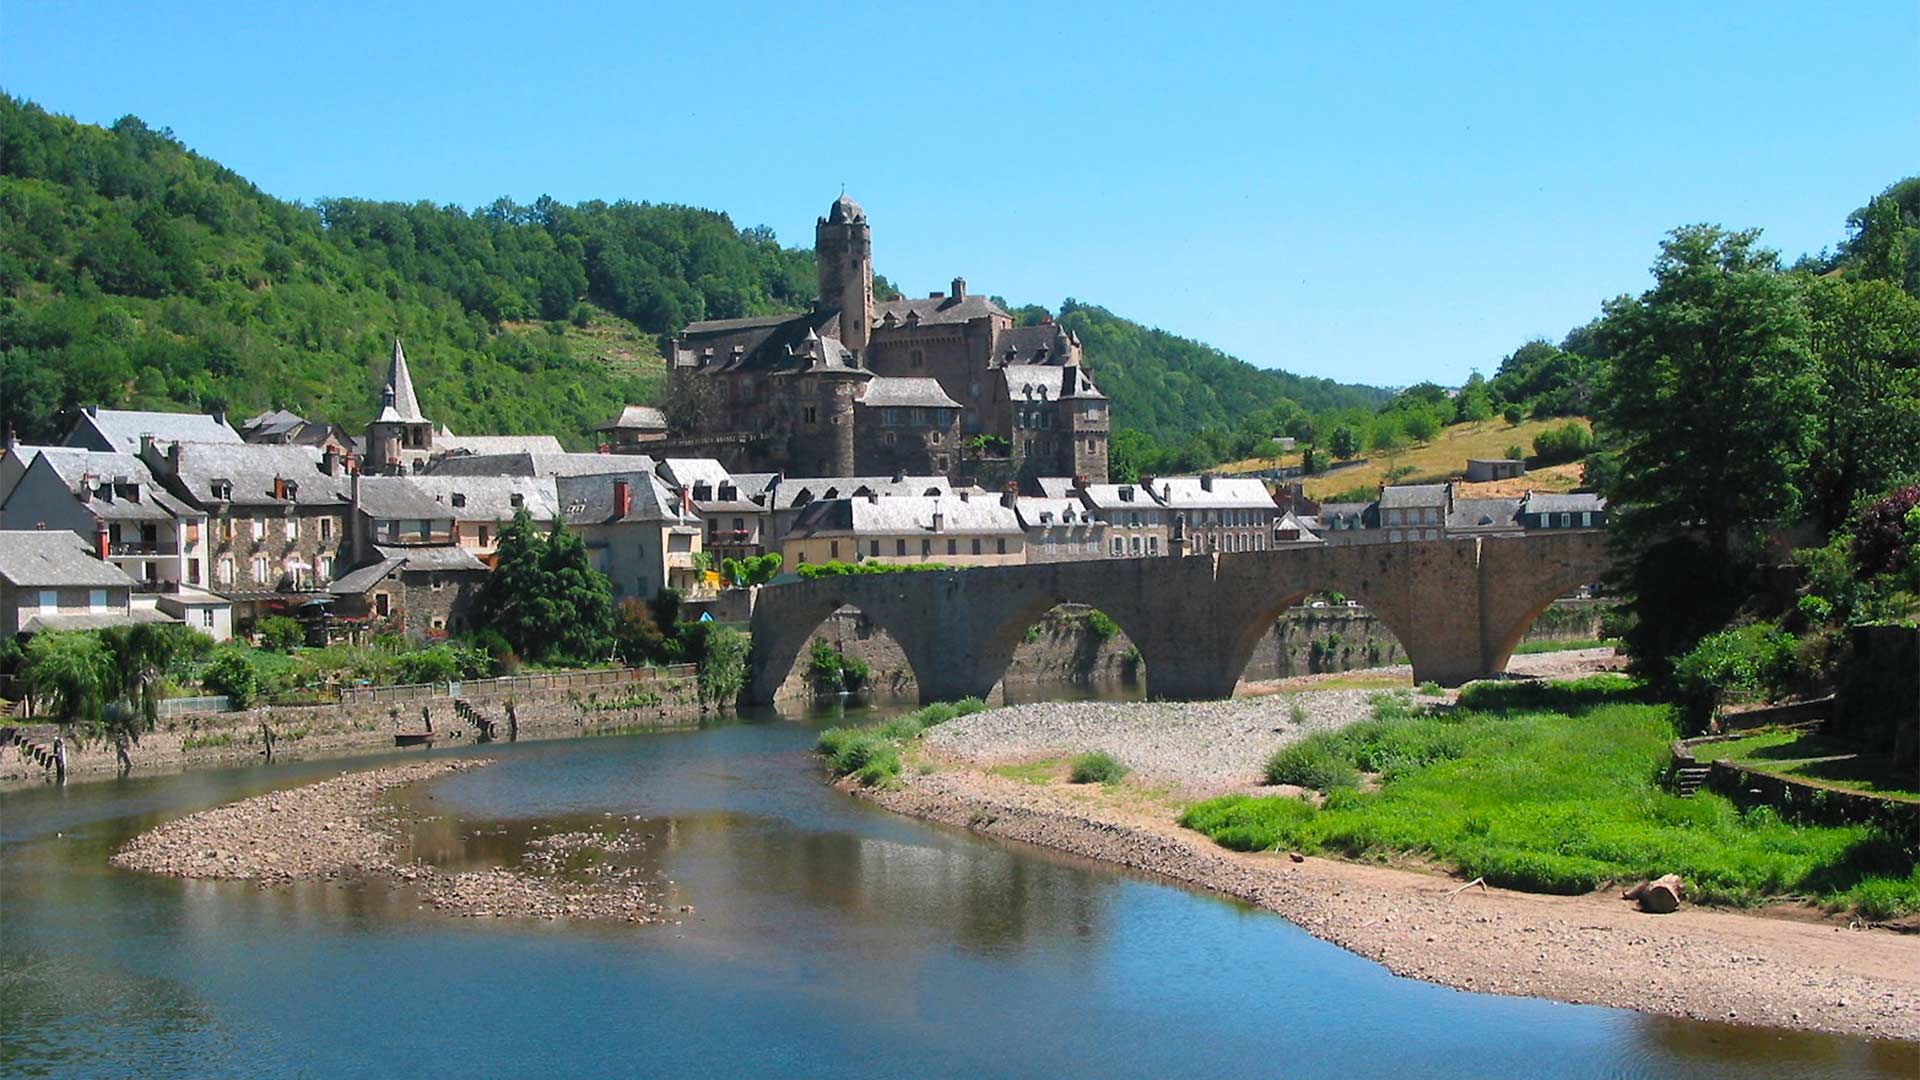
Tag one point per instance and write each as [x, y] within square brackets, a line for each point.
[343, 829]
[1790, 968]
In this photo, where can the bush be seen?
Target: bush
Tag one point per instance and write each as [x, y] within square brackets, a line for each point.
[1311, 763]
[1513, 414]
[1516, 453]
[1568, 442]
[232, 672]
[1096, 768]
[280, 634]
[1101, 625]
[723, 670]
[1751, 662]
[1882, 541]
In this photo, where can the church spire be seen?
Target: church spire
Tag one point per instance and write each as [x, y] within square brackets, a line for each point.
[397, 396]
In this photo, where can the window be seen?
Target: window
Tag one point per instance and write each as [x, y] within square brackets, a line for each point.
[1134, 519]
[323, 568]
[1586, 520]
[926, 547]
[976, 545]
[953, 547]
[49, 601]
[260, 569]
[833, 550]
[326, 529]
[810, 415]
[914, 358]
[1153, 545]
[1395, 536]
[96, 599]
[1000, 546]
[439, 624]
[889, 438]
[226, 570]
[1119, 547]
[1133, 546]
[435, 583]
[193, 571]
[206, 617]
[382, 605]
[891, 417]
[873, 548]
[293, 528]
[259, 529]
[900, 546]
[483, 536]
[425, 529]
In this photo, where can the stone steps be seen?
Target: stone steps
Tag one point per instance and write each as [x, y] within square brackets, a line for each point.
[1689, 779]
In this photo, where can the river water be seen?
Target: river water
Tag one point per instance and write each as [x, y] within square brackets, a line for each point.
[827, 938]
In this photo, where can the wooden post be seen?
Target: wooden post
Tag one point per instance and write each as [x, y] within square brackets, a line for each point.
[59, 760]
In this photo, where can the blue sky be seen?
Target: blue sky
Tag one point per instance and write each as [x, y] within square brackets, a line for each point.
[1377, 193]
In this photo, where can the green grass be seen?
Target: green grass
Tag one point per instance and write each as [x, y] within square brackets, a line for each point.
[1097, 767]
[197, 742]
[1814, 757]
[870, 753]
[1556, 788]
[1527, 648]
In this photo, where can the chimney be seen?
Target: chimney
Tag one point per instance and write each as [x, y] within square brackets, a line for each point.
[622, 499]
[1010, 497]
[1080, 482]
[93, 410]
[176, 457]
[686, 502]
[939, 520]
[936, 296]
[330, 461]
[86, 487]
[102, 546]
[355, 493]
[899, 476]
[873, 497]
[146, 443]
[959, 288]
[965, 495]
[280, 487]
[1206, 481]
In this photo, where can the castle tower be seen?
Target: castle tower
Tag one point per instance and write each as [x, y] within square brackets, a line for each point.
[843, 253]
[400, 439]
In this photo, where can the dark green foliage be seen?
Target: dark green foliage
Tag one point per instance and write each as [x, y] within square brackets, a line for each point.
[723, 667]
[1310, 764]
[1882, 540]
[831, 671]
[545, 597]
[1677, 592]
[1867, 337]
[752, 570]
[871, 754]
[1746, 663]
[280, 633]
[71, 676]
[232, 672]
[1570, 441]
[1101, 625]
[809, 571]
[1541, 380]
[1097, 767]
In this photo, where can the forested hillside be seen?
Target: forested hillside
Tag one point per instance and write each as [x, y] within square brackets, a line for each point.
[136, 273]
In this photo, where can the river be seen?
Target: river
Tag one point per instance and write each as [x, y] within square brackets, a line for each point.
[827, 938]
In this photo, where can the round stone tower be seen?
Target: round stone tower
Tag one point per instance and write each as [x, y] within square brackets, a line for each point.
[843, 253]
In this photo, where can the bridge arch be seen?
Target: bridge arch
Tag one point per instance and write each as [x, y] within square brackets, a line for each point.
[787, 619]
[1520, 584]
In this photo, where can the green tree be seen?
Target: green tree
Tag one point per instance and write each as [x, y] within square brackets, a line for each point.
[723, 670]
[70, 675]
[1712, 400]
[1474, 402]
[582, 598]
[511, 600]
[1343, 444]
[1866, 339]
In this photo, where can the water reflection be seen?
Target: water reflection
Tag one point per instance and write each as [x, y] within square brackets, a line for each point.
[828, 937]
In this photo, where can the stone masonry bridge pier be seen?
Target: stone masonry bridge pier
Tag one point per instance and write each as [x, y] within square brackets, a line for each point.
[1458, 608]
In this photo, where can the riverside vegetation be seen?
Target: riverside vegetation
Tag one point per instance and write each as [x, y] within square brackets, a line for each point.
[1550, 788]
[871, 753]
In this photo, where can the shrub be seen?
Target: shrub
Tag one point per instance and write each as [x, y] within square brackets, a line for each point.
[1311, 763]
[1513, 414]
[723, 670]
[1516, 453]
[1882, 541]
[1568, 442]
[824, 667]
[437, 664]
[280, 633]
[1101, 625]
[1750, 662]
[1096, 768]
[231, 672]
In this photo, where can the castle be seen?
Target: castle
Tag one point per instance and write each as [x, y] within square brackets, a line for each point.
[855, 386]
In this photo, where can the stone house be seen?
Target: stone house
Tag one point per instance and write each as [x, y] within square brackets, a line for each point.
[1347, 523]
[277, 517]
[113, 502]
[1060, 529]
[639, 533]
[732, 510]
[53, 580]
[1480, 470]
[959, 528]
[1414, 511]
[422, 589]
[1575, 510]
[1219, 513]
[634, 431]
[1137, 524]
[906, 425]
[463, 511]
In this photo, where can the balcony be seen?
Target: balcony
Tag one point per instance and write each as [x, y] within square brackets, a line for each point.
[137, 550]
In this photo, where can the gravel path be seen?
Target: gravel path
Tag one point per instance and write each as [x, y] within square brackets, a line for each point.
[1201, 746]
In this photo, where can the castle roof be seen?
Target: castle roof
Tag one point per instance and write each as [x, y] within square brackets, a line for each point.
[906, 391]
[1047, 382]
[933, 310]
[1045, 343]
[397, 403]
[845, 211]
[525, 463]
[772, 344]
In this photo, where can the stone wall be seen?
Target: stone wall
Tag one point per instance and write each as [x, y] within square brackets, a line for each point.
[1061, 649]
[364, 726]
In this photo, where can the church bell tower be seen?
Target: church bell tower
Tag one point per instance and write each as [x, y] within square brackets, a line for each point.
[843, 253]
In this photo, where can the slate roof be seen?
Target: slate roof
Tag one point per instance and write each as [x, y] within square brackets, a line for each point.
[75, 466]
[1108, 497]
[796, 344]
[54, 558]
[1055, 487]
[94, 620]
[432, 557]
[457, 498]
[1409, 496]
[359, 581]
[1040, 513]
[271, 424]
[1365, 512]
[1047, 343]
[1540, 502]
[588, 500]
[637, 418]
[933, 310]
[900, 391]
[536, 464]
[686, 472]
[977, 515]
[1047, 382]
[790, 491]
[1186, 492]
[397, 403]
[1290, 520]
[251, 469]
[1483, 515]
[121, 429]
[498, 444]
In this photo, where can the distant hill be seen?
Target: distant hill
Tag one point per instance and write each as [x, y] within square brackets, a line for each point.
[134, 272]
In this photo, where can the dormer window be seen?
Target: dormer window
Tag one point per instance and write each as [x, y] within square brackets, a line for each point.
[703, 491]
[293, 489]
[459, 498]
[517, 500]
[222, 490]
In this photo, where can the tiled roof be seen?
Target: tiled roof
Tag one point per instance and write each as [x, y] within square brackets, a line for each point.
[906, 391]
[686, 472]
[498, 444]
[1483, 514]
[403, 406]
[431, 557]
[54, 558]
[1541, 502]
[1121, 497]
[94, 620]
[1037, 513]
[122, 428]
[75, 467]
[975, 515]
[790, 344]
[588, 500]
[535, 464]
[637, 418]
[359, 581]
[797, 491]
[1046, 343]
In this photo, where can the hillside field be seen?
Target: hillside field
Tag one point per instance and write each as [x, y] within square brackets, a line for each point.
[1442, 459]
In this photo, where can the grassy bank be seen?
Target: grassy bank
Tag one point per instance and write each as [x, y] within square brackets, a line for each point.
[1552, 788]
[870, 753]
[1814, 757]
[1527, 648]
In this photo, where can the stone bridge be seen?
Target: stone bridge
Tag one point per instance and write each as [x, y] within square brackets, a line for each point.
[1458, 608]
